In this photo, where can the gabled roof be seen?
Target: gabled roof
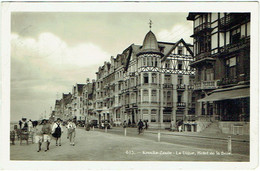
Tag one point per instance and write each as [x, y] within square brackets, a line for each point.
[180, 41]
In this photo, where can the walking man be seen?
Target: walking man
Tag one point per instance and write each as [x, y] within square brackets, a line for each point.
[146, 124]
[57, 130]
[140, 126]
[46, 131]
[71, 131]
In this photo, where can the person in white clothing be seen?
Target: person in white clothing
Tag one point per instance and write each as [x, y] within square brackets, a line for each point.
[57, 131]
[71, 131]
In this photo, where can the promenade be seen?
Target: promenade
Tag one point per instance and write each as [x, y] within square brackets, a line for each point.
[112, 145]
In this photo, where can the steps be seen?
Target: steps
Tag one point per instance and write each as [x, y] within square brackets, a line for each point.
[213, 128]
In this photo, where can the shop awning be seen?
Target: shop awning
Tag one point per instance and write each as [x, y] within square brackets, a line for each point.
[226, 95]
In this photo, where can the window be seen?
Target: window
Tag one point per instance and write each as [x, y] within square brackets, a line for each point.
[179, 80]
[146, 78]
[156, 63]
[145, 111]
[167, 79]
[145, 95]
[179, 66]
[231, 68]
[154, 77]
[180, 51]
[167, 64]
[144, 61]
[152, 61]
[179, 98]
[154, 95]
[153, 115]
[235, 35]
[168, 96]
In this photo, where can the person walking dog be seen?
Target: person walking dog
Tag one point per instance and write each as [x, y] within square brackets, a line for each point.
[57, 130]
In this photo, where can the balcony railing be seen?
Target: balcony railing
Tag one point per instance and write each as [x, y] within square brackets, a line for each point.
[226, 81]
[181, 87]
[242, 43]
[167, 85]
[201, 28]
[206, 85]
[181, 104]
[232, 19]
[202, 55]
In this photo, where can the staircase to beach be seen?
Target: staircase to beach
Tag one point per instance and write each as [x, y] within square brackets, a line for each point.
[212, 128]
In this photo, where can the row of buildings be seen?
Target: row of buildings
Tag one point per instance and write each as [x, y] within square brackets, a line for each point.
[198, 86]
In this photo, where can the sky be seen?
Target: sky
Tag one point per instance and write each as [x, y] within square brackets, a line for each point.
[51, 52]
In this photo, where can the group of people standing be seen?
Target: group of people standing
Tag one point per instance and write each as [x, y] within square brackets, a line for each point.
[45, 131]
[141, 125]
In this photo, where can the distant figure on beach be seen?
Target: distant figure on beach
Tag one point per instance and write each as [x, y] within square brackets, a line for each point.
[57, 130]
[46, 131]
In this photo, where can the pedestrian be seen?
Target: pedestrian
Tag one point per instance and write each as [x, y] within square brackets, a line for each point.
[20, 124]
[140, 126]
[124, 124]
[57, 130]
[46, 131]
[172, 125]
[38, 138]
[146, 124]
[24, 125]
[71, 131]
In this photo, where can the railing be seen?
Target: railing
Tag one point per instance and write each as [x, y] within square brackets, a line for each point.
[132, 74]
[181, 104]
[242, 43]
[232, 19]
[169, 104]
[190, 87]
[202, 27]
[202, 55]
[167, 85]
[206, 85]
[226, 81]
[181, 87]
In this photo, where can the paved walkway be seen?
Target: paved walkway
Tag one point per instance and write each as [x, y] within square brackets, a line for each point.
[101, 146]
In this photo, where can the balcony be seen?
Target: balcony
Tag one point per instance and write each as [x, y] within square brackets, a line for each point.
[181, 87]
[206, 85]
[231, 48]
[181, 104]
[227, 81]
[203, 57]
[132, 74]
[232, 19]
[202, 29]
[167, 85]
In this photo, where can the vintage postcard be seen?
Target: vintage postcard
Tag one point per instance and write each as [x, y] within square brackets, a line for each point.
[124, 85]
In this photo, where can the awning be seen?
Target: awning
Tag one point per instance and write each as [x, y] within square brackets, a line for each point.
[227, 95]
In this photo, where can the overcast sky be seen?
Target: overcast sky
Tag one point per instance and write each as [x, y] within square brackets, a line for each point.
[51, 52]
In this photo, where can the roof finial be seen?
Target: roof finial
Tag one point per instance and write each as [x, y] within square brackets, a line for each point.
[150, 24]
